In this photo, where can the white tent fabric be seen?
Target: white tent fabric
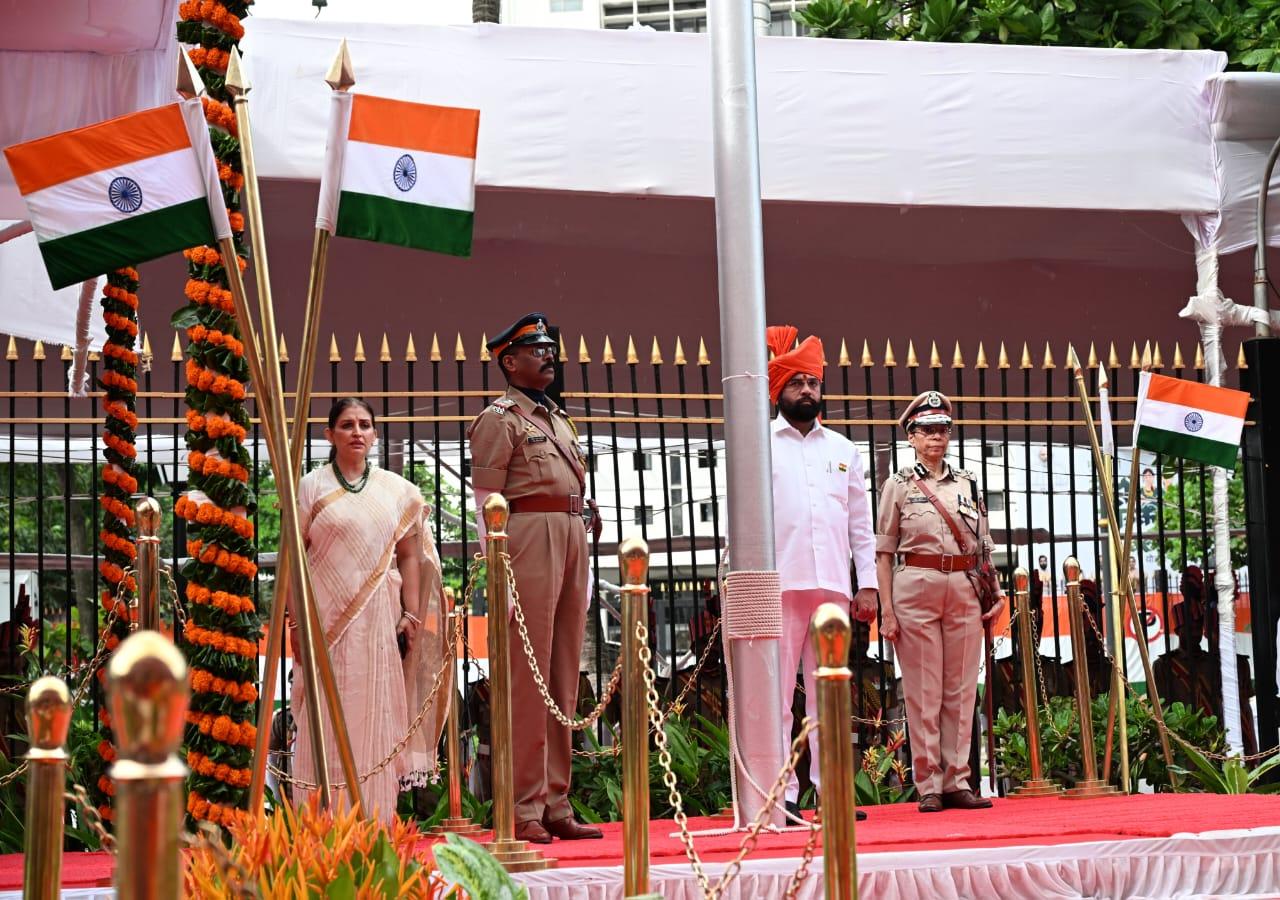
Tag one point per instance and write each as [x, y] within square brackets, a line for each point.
[868, 122]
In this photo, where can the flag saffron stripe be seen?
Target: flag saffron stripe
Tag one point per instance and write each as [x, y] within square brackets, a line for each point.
[414, 126]
[1198, 396]
[92, 252]
[52, 160]
[373, 218]
[1187, 446]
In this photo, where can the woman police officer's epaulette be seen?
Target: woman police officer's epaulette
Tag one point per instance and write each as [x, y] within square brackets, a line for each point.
[501, 405]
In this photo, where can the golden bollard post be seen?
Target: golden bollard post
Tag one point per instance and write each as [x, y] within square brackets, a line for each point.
[633, 563]
[831, 638]
[1037, 785]
[1090, 785]
[147, 691]
[148, 517]
[456, 821]
[48, 721]
[515, 856]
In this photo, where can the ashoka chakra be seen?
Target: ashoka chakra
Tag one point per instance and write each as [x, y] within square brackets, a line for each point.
[124, 194]
[405, 173]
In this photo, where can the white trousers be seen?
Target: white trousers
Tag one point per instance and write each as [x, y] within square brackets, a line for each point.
[796, 649]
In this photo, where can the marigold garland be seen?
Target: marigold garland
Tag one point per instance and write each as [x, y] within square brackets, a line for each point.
[119, 382]
[221, 635]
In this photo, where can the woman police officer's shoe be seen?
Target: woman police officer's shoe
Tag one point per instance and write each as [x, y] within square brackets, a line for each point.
[569, 829]
[965, 799]
[931, 803]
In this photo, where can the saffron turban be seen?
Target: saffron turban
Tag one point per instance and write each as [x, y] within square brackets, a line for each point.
[788, 362]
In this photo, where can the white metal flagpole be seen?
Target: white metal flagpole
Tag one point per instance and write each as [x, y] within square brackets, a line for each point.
[755, 704]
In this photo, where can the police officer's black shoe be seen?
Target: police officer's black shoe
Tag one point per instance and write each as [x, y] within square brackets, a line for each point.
[860, 815]
[793, 808]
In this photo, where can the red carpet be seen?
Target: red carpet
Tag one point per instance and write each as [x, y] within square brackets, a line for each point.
[1028, 822]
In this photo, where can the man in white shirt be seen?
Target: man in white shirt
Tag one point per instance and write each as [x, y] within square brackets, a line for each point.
[822, 521]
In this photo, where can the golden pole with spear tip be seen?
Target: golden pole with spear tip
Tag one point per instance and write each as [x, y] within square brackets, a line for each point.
[1126, 589]
[339, 78]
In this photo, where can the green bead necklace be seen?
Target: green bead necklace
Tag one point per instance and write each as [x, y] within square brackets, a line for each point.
[348, 486]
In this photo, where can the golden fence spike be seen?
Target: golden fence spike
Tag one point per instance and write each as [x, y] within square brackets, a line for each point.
[890, 361]
[844, 361]
[94, 356]
[358, 356]
[459, 352]
[1113, 358]
[1025, 363]
[284, 350]
[384, 352]
[1157, 361]
[1145, 362]
[632, 357]
[679, 359]
[1178, 361]
[1093, 357]
[38, 353]
[912, 360]
[982, 357]
[1241, 362]
[1199, 363]
[485, 356]
[866, 361]
[957, 358]
[1135, 360]
[583, 355]
[1048, 357]
[410, 351]
[703, 358]
[655, 355]
[66, 355]
[607, 356]
[334, 355]
[935, 360]
[11, 351]
[175, 355]
[1003, 360]
[435, 348]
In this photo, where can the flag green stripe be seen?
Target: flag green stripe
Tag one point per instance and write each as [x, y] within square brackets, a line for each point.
[96, 251]
[373, 218]
[1188, 446]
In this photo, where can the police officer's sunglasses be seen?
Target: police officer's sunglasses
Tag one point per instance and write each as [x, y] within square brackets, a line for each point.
[542, 352]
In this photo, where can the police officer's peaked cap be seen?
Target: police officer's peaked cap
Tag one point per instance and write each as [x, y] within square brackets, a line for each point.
[529, 330]
[930, 408]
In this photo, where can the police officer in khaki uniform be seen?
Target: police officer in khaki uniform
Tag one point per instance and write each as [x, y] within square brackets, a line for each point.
[931, 609]
[524, 446]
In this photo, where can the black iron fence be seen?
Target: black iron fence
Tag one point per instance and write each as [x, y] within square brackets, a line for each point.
[653, 430]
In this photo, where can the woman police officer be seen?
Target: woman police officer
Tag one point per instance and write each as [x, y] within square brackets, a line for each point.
[932, 520]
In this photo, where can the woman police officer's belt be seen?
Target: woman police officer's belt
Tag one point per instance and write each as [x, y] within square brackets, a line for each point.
[943, 562]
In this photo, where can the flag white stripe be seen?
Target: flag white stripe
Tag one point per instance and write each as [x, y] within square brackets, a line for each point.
[334, 154]
[84, 203]
[441, 180]
[1172, 417]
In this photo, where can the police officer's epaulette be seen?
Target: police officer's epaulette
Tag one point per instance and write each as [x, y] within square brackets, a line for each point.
[905, 475]
[501, 405]
[967, 474]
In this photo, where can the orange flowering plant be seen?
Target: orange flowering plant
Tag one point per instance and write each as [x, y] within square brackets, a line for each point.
[224, 625]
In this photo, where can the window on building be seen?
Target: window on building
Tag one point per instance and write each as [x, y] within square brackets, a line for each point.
[707, 512]
[643, 461]
[644, 515]
[997, 503]
[993, 451]
[676, 466]
[677, 512]
[707, 458]
[591, 462]
[566, 5]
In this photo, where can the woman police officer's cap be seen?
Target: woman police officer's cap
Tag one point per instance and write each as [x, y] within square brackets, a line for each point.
[930, 408]
[528, 331]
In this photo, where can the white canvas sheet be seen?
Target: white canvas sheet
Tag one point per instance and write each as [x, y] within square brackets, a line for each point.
[840, 121]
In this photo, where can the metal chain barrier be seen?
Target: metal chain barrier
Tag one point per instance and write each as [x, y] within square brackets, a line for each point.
[656, 722]
[802, 872]
[91, 817]
[448, 660]
[572, 724]
[1168, 732]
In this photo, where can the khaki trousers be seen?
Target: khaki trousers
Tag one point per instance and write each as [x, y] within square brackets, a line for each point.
[939, 647]
[550, 560]
[796, 647]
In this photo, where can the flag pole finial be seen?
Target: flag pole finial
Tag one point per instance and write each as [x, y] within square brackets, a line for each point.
[341, 75]
[236, 81]
[189, 84]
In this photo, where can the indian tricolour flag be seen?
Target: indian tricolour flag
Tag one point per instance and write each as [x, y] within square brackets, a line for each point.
[400, 173]
[121, 192]
[1189, 420]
